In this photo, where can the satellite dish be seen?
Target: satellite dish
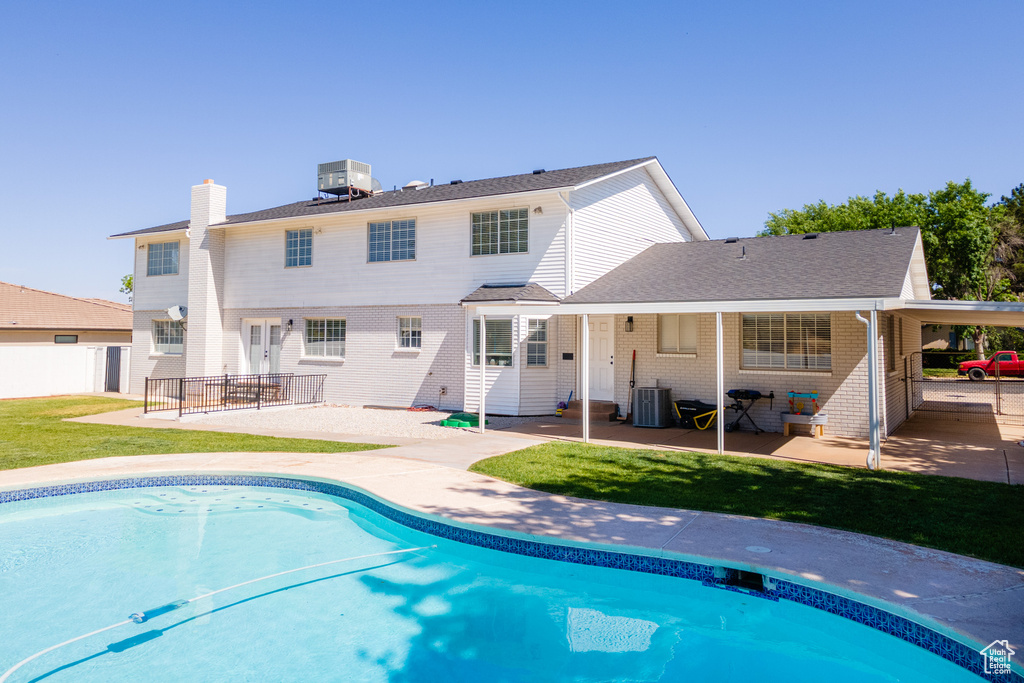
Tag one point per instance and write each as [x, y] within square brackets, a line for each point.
[177, 313]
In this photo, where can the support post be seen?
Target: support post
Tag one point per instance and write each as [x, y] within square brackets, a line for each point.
[482, 416]
[719, 382]
[585, 376]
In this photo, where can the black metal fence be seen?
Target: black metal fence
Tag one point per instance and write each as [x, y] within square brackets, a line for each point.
[188, 395]
[993, 399]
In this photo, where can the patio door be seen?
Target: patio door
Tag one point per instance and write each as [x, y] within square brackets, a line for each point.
[602, 359]
[262, 342]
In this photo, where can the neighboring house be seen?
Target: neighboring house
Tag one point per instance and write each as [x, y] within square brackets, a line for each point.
[55, 344]
[378, 292]
[943, 338]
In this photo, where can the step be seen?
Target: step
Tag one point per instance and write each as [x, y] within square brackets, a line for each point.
[600, 411]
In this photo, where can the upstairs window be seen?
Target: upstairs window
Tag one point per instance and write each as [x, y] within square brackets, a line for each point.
[298, 248]
[168, 337]
[537, 344]
[787, 341]
[393, 240]
[677, 333]
[410, 332]
[499, 343]
[325, 338]
[501, 232]
[162, 259]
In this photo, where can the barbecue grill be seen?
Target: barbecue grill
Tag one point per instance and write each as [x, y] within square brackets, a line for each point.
[743, 401]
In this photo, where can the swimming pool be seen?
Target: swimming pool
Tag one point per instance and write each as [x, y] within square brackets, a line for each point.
[423, 601]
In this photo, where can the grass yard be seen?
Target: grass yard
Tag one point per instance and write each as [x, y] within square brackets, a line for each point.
[939, 372]
[976, 518]
[33, 432]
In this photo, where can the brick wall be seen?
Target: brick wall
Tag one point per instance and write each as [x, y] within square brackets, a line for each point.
[374, 371]
[145, 363]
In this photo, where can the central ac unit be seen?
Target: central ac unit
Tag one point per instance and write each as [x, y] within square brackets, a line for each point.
[652, 407]
[339, 177]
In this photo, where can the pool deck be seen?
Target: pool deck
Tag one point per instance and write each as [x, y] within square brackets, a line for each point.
[981, 600]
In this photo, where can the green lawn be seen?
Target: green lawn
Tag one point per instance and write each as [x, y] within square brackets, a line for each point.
[33, 432]
[976, 518]
[939, 372]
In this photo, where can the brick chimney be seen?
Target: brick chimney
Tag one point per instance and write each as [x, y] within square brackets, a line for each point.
[204, 354]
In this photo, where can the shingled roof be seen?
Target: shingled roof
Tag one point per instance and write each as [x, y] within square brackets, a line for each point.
[471, 189]
[34, 309]
[853, 264]
[529, 292]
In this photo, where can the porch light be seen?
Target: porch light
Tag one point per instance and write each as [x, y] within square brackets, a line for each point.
[629, 323]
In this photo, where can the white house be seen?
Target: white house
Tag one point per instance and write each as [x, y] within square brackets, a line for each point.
[379, 292]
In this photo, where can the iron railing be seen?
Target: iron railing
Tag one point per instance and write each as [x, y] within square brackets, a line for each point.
[188, 395]
[993, 399]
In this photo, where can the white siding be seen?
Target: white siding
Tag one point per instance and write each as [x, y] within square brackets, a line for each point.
[160, 292]
[538, 393]
[443, 272]
[615, 220]
[502, 384]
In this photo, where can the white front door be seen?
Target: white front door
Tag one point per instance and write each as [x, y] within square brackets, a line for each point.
[262, 343]
[602, 359]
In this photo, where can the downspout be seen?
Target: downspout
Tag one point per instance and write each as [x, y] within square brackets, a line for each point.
[874, 460]
[569, 274]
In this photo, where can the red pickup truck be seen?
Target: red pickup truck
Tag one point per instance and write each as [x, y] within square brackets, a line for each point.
[1009, 366]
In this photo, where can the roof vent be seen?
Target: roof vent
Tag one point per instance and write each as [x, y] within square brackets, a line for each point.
[456, 182]
[414, 185]
[538, 171]
[811, 236]
[732, 240]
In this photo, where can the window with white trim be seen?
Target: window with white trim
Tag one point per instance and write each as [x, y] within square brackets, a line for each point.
[392, 240]
[298, 248]
[677, 333]
[168, 337]
[501, 232]
[162, 258]
[787, 341]
[499, 342]
[537, 344]
[325, 338]
[410, 332]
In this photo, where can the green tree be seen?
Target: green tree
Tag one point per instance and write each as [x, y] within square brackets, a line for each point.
[128, 286]
[858, 213]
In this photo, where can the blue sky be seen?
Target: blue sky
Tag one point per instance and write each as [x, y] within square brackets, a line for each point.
[112, 110]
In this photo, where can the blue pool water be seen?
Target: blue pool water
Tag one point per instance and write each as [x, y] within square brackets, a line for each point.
[452, 612]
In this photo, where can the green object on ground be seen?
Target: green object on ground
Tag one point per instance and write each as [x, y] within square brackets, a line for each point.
[976, 518]
[464, 420]
[33, 432]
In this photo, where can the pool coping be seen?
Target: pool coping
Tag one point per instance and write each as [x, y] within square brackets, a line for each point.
[296, 471]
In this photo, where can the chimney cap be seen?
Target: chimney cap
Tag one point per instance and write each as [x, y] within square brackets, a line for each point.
[208, 181]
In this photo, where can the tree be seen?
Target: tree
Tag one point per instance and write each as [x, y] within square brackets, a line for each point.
[970, 248]
[128, 286]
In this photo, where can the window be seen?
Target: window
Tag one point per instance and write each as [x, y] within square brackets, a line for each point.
[168, 337]
[537, 344]
[325, 338]
[410, 333]
[790, 341]
[298, 248]
[65, 339]
[393, 240]
[677, 333]
[501, 232]
[499, 342]
[163, 259]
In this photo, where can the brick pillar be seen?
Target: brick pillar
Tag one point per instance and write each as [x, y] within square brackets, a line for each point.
[204, 345]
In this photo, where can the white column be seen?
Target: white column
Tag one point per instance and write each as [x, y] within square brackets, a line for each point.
[873, 420]
[483, 372]
[719, 382]
[585, 376]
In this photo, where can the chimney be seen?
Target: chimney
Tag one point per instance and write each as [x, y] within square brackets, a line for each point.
[203, 339]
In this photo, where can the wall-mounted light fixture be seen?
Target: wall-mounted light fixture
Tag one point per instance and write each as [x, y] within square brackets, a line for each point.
[629, 323]
[290, 325]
